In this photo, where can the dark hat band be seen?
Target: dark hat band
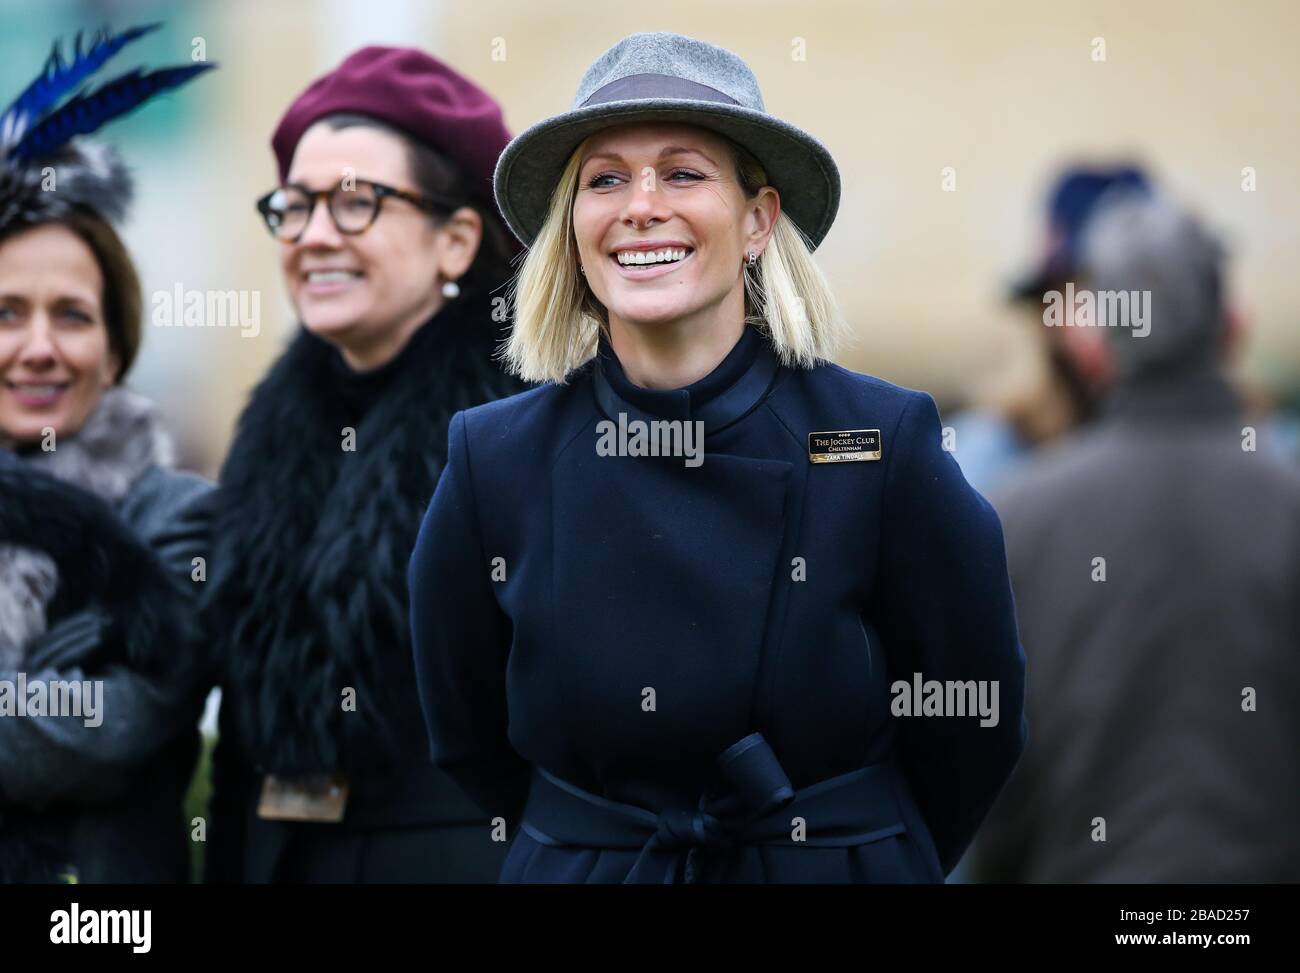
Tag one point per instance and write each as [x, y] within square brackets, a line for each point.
[636, 86]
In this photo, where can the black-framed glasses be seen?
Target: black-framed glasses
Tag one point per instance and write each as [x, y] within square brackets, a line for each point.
[288, 209]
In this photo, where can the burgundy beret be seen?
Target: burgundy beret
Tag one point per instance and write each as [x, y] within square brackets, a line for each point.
[413, 91]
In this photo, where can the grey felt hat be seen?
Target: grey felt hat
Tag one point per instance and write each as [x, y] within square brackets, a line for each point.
[668, 77]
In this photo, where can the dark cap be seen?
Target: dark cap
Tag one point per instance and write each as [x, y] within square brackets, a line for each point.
[1073, 200]
[416, 93]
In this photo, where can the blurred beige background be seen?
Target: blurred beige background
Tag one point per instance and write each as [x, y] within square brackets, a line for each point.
[1003, 92]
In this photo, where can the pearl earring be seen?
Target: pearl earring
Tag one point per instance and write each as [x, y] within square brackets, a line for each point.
[451, 290]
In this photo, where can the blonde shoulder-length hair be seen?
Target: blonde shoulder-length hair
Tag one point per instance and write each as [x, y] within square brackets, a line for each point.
[557, 319]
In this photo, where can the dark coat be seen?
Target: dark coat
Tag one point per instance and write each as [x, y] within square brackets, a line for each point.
[635, 579]
[307, 599]
[1136, 696]
[104, 803]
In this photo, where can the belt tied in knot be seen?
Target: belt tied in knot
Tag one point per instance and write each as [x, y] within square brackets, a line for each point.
[751, 801]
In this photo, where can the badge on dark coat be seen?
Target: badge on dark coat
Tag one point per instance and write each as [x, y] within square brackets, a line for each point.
[658, 670]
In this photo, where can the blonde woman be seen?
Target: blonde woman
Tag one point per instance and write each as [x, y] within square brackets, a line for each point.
[670, 608]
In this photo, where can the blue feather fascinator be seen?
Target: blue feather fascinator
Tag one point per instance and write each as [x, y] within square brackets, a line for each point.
[43, 128]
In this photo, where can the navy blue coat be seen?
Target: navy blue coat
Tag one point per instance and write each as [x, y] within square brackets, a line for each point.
[622, 657]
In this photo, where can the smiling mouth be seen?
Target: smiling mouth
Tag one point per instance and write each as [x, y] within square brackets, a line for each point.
[650, 263]
[331, 276]
[38, 392]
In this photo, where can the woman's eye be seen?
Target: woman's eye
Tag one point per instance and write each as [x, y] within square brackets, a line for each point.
[73, 314]
[595, 181]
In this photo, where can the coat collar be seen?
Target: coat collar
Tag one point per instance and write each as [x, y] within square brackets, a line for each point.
[727, 394]
[120, 441]
[359, 390]
[1199, 394]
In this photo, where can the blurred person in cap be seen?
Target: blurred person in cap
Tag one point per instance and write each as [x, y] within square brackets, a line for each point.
[1011, 417]
[1155, 559]
[391, 251]
[618, 649]
[101, 679]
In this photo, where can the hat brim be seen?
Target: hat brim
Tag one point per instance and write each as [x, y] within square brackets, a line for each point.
[1031, 286]
[798, 166]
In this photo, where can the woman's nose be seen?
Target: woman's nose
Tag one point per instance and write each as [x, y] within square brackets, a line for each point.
[645, 200]
[38, 349]
[320, 230]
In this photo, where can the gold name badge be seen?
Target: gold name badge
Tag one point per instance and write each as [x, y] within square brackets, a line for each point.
[844, 446]
[318, 797]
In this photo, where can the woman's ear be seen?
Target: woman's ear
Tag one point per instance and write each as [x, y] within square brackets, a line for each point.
[761, 214]
[459, 239]
[112, 370]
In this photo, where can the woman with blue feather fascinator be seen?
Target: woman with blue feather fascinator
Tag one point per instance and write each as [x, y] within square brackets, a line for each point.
[98, 657]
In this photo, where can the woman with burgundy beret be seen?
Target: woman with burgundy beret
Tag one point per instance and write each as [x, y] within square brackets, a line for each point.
[391, 250]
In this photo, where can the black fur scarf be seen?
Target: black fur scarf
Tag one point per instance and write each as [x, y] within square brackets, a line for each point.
[101, 565]
[307, 590]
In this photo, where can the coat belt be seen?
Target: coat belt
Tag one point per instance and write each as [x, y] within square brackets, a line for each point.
[752, 804]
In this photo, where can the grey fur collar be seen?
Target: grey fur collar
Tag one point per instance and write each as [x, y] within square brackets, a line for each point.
[28, 580]
[121, 439]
